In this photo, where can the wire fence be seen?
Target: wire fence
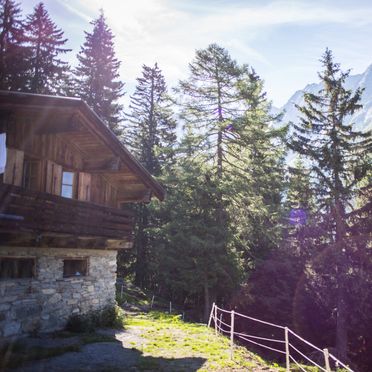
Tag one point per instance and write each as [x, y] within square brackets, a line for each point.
[224, 322]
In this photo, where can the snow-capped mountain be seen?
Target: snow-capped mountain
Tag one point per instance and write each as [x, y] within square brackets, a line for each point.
[362, 119]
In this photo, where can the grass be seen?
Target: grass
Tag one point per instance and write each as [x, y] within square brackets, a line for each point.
[167, 336]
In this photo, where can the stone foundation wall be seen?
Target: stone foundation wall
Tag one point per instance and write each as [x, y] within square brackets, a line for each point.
[45, 302]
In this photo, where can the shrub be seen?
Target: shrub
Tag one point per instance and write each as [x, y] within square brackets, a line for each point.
[108, 317]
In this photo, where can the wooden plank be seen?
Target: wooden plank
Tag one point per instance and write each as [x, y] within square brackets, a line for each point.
[84, 186]
[14, 167]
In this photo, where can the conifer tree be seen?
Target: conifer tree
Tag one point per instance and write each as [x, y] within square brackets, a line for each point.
[47, 73]
[193, 263]
[209, 98]
[97, 74]
[337, 154]
[151, 126]
[151, 134]
[12, 51]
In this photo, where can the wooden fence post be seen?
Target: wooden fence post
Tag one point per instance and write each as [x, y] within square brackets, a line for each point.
[232, 334]
[152, 301]
[215, 319]
[326, 360]
[170, 307]
[287, 360]
[211, 315]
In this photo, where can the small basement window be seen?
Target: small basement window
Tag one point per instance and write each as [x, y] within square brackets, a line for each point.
[17, 268]
[75, 267]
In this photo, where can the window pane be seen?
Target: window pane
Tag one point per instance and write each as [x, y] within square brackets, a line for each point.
[66, 191]
[77, 267]
[13, 268]
[68, 178]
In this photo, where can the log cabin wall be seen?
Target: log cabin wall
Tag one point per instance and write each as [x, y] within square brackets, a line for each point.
[45, 156]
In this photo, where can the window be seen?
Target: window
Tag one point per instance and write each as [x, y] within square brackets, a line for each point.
[75, 267]
[15, 268]
[68, 183]
[31, 175]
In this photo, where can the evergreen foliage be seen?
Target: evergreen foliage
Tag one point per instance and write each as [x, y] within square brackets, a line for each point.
[150, 130]
[337, 156]
[150, 133]
[97, 74]
[12, 51]
[46, 72]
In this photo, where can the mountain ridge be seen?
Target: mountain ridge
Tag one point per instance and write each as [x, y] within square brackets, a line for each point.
[362, 119]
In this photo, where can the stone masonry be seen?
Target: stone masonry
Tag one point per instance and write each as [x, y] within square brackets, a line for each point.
[45, 302]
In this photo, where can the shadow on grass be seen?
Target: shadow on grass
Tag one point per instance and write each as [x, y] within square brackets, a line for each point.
[89, 354]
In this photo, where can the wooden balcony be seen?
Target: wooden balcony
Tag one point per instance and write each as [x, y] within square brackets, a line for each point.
[39, 219]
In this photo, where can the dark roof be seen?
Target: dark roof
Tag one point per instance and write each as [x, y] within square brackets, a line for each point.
[98, 126]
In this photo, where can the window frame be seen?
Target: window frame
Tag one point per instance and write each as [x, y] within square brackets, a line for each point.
[83, 259]
[30, 166]
[73, 185]
[34, 267]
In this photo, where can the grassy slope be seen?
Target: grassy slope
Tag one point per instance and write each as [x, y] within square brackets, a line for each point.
[166, 336]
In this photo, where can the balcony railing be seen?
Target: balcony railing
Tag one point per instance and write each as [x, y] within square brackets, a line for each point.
[42, 215]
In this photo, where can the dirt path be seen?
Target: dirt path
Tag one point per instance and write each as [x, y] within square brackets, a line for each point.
[133, 350]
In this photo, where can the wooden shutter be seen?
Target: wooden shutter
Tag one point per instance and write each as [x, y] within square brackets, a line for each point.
[53, 181]
[14, 167]
[84, 187]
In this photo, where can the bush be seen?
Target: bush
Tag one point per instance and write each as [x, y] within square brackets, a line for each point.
[108, 317]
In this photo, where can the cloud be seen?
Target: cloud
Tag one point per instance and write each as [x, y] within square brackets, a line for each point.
[168, 31]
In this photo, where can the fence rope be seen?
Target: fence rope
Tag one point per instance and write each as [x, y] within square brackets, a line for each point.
[262, 345]
[299, 365]
[306, 357]
[247, 337]
[261, 338]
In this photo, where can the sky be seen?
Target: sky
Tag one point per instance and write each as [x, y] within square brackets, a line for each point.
[282, 40]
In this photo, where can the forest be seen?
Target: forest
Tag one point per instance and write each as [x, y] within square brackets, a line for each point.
[241, 226]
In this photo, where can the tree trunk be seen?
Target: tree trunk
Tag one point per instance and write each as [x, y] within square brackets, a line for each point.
[207, 301]
[141, 248]
[342, 267]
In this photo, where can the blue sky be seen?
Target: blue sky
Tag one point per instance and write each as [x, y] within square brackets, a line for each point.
[282, 40]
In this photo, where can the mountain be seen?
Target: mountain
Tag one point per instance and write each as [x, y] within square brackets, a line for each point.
[362, 119]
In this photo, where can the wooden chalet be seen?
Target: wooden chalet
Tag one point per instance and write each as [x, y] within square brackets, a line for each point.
[63, 193]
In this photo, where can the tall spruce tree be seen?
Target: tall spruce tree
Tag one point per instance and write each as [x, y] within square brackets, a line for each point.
[47, 73]
[150, 130]
[192, 265]
[151, 134]
[210, 100]
[337, 154]
[12, 50]
[97, 74]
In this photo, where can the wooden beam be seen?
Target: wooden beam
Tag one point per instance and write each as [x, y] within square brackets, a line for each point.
[60, 125]
[102, 166]
[49, 240]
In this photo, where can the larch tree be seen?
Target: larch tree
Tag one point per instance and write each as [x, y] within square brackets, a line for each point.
[337, 155]
[97, 74]
[12, 50]
[47, 73]
[150, 132]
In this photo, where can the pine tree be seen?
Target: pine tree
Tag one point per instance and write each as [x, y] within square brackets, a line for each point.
[210, 99]
[151, 126]
[338, 160]
[12, 51]
[151, 134]
[97, 75]
[193, 264]
[47, 73]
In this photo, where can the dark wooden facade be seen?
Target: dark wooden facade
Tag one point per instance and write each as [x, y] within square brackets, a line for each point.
[58, 146]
